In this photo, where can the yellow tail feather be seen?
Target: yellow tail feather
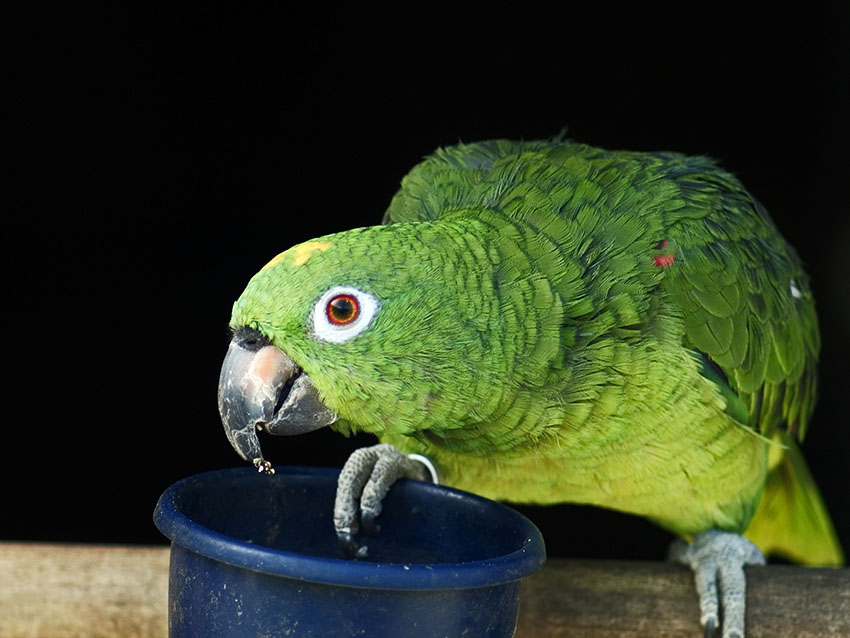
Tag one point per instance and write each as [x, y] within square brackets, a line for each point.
[791, 519]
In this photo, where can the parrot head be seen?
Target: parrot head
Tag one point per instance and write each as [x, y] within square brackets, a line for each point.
[355, 330]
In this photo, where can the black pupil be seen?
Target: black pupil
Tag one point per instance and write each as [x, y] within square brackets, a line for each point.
[342, 309]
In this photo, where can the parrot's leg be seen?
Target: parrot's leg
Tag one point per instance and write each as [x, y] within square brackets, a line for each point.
[718, 560]
[362, 485]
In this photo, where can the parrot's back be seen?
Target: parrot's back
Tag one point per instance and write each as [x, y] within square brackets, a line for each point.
[666, 364]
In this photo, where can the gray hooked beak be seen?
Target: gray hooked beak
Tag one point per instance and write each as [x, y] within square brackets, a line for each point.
[261, 388]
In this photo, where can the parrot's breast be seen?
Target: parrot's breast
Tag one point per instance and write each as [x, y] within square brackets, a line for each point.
[665, 450]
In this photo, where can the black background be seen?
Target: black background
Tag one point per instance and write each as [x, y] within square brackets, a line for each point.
[161, 157]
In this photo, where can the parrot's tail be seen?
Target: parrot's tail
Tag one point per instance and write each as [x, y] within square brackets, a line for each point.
[791, 519]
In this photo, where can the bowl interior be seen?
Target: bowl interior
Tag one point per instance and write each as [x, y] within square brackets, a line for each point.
[292, 511]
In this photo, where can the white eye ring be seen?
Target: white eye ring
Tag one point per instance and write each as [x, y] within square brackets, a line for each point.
[358, 307]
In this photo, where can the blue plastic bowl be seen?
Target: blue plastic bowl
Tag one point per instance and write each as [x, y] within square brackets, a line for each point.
[256, 555]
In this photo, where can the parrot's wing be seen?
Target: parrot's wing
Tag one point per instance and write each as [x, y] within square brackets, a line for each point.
[749, 313]
[745, 298]
[746, 301]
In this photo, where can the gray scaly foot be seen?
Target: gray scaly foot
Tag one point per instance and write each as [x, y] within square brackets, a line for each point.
[718, 560]
[362, 485]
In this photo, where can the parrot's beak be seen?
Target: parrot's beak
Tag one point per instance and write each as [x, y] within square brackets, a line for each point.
[260, 387]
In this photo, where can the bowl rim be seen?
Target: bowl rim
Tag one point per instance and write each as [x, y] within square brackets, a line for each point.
[193, 536]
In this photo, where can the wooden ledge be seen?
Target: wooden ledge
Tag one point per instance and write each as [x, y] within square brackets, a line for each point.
[95, 591]
[596, 599]
[83, 591]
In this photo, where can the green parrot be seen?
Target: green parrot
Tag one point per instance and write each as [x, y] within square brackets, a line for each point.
[549, 322]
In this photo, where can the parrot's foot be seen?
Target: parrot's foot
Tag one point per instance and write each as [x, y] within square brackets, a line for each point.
[362, 485]
[718, 560]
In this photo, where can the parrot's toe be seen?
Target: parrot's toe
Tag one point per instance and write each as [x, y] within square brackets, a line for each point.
[362, 485]
[718, 560]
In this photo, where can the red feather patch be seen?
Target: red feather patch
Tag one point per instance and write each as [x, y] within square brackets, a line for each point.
[662, 261]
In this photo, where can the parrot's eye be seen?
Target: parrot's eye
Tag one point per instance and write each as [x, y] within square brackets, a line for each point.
[342, 313]
[342, 309]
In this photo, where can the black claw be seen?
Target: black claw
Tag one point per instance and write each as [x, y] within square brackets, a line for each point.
[709, 629]
[350, 547]
[347, 543]
[367, 522]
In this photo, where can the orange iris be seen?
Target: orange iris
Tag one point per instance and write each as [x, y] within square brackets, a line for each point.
[342, 309]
